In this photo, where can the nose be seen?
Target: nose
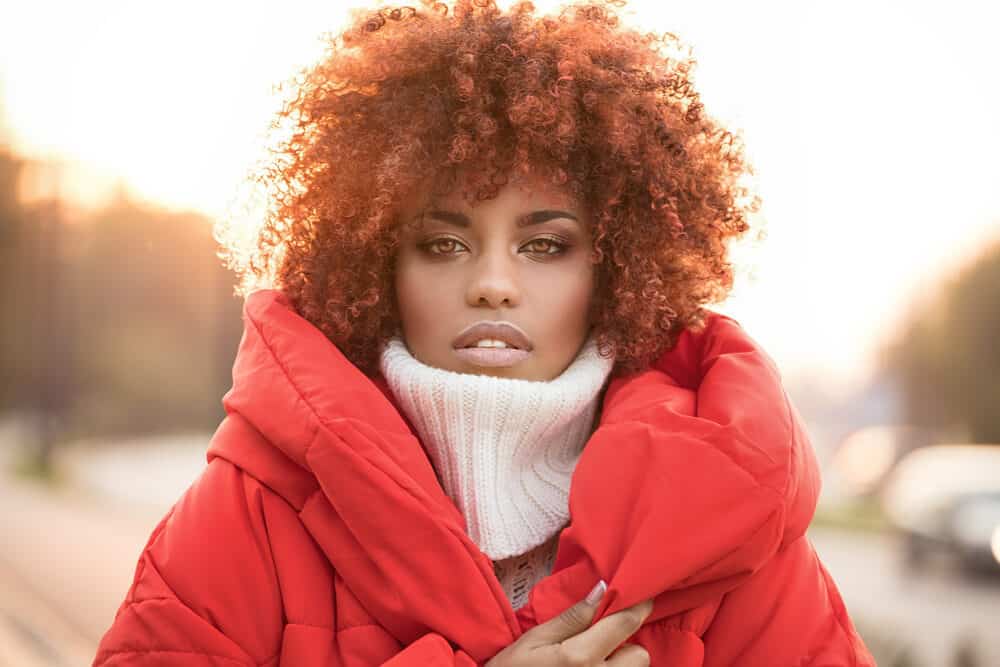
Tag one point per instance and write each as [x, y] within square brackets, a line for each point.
[493, 282]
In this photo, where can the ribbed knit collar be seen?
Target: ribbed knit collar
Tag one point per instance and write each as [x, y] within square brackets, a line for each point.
[504, 449]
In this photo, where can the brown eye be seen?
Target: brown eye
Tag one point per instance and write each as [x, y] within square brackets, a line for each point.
[442, 246]
[546, 246]
[445, 245]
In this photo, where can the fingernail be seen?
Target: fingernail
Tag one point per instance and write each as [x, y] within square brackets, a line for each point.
[597, 593]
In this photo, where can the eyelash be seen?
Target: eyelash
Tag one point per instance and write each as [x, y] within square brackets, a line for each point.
[560, 245]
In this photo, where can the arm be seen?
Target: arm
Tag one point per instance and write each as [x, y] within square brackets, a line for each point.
[431, 650]
[205, 590]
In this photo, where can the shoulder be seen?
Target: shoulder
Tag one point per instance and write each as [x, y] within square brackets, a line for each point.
[721, 393]
[214, 546]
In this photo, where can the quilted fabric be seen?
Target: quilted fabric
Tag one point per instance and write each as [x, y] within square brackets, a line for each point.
[318, 533]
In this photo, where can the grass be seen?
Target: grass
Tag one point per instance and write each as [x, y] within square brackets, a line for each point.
[862, 514]
[28, 465]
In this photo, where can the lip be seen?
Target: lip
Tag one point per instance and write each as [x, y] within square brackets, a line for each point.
[495, 357]
[504, 331]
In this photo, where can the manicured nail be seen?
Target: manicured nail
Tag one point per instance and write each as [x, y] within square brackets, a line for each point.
[597, 593]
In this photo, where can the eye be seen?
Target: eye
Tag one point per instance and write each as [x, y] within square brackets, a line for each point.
[441, 246]
[546, 246]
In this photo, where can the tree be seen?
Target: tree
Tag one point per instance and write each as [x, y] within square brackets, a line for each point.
[121, 322]
[948, 358]
[11, 238]
[156, 319]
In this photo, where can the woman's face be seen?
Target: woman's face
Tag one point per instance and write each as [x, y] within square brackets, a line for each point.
[522, 258]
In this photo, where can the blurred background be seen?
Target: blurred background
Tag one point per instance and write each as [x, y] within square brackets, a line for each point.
[128, 129]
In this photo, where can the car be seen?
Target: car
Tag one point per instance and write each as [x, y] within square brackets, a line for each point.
[945, 499]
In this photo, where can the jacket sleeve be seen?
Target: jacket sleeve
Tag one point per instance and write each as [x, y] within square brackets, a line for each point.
[205, 590]
[431, 650]
[789, 613]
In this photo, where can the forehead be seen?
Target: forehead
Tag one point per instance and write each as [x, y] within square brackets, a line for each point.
[522, 193]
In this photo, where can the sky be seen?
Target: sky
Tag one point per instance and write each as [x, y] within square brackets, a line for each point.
[873, 129]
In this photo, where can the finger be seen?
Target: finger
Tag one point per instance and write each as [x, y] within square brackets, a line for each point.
[600, 639]
[570, 622]
[630, 655]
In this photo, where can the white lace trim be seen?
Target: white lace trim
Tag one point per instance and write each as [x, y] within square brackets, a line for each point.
[519, 574]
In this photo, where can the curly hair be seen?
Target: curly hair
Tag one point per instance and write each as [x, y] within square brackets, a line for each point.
[404, 98]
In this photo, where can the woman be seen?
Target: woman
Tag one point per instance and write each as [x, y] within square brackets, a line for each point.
[480, 415]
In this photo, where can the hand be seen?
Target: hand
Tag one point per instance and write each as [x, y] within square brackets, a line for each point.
[568, 640]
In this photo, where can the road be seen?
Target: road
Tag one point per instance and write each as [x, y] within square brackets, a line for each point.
[67, 554]
[931, 612]
[66, 561]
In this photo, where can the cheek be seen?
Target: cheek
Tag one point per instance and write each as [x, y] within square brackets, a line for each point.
[409, 295]
[570, 293]
[567, 298]
[419, 298]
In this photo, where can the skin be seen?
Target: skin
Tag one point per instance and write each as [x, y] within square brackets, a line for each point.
[540, 277]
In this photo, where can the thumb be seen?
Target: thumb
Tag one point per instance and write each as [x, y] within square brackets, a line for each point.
[573, 620]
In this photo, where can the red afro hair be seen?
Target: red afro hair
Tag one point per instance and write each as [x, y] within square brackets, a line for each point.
[406, 97]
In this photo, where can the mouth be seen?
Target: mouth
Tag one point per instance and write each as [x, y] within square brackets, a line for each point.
[494, 357]
[493, 334]
[493, 343]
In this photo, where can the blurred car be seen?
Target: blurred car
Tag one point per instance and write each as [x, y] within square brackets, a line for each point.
[946, 499]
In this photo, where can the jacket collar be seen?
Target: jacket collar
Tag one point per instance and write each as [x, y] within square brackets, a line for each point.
[698, 471]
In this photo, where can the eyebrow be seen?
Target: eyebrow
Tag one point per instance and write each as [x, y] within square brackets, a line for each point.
[533, 218]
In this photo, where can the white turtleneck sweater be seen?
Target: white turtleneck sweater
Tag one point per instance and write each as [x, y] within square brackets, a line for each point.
[504, 450]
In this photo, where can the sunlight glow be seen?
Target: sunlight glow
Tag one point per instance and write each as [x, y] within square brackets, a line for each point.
[873, 140]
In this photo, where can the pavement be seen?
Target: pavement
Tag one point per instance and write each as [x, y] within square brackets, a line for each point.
[68, 552]
[66, 561]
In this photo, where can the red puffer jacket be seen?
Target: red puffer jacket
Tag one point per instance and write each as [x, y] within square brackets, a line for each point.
[318, 533]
